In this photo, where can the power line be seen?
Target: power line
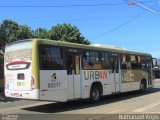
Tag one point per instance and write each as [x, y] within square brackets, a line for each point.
[59, 6]
[121, 25]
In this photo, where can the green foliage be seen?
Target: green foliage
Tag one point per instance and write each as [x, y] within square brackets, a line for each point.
[8, 30]
[24, 32]
[68, 33]
[11, 31]
[41, 33]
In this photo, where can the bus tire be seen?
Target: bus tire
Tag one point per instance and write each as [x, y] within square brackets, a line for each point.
[95, 94]
[143, 85]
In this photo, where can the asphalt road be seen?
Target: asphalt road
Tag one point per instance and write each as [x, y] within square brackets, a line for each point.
[110, 107]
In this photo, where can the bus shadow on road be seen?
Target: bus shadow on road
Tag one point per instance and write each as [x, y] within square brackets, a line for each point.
[81, 104]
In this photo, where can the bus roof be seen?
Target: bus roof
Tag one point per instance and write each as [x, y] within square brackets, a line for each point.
[19, 41]
[76, 45]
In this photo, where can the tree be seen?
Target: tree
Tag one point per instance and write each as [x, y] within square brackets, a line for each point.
[8, 30]
[68, 33]
[11, 31]
[41, 33]
[24, 32]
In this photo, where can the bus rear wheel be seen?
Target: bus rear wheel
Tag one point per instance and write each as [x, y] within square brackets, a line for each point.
[95, 94]
[142, 86]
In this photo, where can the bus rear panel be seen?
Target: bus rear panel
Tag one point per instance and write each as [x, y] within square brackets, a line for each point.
[19, 80]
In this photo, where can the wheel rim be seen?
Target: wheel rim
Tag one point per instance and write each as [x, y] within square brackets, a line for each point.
[95, 94]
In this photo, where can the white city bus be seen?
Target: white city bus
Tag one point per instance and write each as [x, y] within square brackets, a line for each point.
[59, 71]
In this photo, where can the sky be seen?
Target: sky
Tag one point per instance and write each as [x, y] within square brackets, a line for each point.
[109, 22]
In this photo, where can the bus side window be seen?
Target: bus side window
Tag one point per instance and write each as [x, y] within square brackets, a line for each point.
[114, 62]
[149, 64]
[44, 57]
[105, 60]
[125, 62]
[134, 62]
[77, 65]
[50, 58]
[95, 60]
[86, 60]
[69, 64]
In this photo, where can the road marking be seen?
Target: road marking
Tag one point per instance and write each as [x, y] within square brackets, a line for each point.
[96, 117]
[156, 103]
[153, 112]
[114, 111]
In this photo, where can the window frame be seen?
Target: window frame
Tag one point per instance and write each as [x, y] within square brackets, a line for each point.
[52, 59]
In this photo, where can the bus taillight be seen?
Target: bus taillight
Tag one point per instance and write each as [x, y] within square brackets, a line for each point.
[32, 82]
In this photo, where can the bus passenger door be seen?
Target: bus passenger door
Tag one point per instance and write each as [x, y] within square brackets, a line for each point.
[73, 76]
[115, 72]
